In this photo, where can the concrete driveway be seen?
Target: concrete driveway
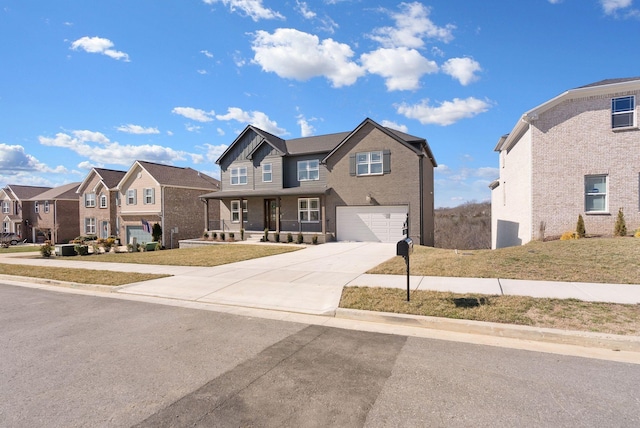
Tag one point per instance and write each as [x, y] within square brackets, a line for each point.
[309, 280]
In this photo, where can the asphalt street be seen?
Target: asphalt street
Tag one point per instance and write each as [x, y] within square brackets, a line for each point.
[76, 360]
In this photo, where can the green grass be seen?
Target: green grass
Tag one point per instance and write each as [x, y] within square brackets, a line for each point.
[19, 249]
[80, 276]
[600, 260]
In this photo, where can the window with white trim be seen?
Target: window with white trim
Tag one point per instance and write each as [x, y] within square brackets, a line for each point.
[46, 206]
[309, 210]
[90, 226]
[369, 163]
[103, 201]
[239, 176]
[267, 175]
[149, 196]
[89, 200]
[131, 197]
[36, 206]
[235, 211]
[6, 227]
[6, 207]
[623, 111]
[309, 170]
[595, 194]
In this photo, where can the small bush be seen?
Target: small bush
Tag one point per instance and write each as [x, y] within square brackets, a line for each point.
[81, 250]
[299, 239]
[314, 239]
[222, 236]
[621, 226]
[215, 235]
[265, 238]
[289, 237]
[276, 237]
[205, 235]
[242, 234]
[46, 249]
[232, 236]
[156, 232]
[580, 230]
[569, 236]
[637, 234]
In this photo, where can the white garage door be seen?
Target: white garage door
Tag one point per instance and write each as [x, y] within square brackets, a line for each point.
[371, 223]
[140, 235]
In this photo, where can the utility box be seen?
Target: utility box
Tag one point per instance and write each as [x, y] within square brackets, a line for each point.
[404, 247]
[65, 250]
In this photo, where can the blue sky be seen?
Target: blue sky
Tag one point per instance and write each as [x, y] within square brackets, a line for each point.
[86, 84]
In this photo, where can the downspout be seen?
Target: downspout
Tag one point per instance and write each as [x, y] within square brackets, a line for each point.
[421, 189]
[164, 232]
[54, 233]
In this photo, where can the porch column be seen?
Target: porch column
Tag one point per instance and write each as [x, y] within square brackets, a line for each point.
[206, 214]
[323, 213]
[278, 214]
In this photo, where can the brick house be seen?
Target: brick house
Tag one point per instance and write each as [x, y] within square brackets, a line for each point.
[358, 185]
[167, 195]
[99, 202]
[576, 154]
[18, 209]
[56, 214]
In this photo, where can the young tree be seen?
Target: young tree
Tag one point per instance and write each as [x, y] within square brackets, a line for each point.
[580, 230]
[156, 232]
[621, 225]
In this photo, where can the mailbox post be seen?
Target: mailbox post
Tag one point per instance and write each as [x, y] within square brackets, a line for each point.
[404, 248]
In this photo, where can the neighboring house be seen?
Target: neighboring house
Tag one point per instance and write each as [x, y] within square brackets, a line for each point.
[55, 214]
[17, 209]
[357, 186]
[99, 202]
[576, 154]
[152, 193]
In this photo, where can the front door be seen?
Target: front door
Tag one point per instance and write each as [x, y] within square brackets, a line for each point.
[104, 229]
[270, 214]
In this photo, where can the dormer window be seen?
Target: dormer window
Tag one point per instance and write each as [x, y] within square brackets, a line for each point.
[103, 201]
[623, 112]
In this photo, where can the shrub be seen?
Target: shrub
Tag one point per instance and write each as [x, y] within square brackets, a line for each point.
[205, 235]
[569, 235]
[299, 239]
[289, 237]
[242, 234]
[81, 250]
[276, 237]
[215, 235]
[580, 230]
[621, 226]
[46, 249]
[314, 239]
[637, 234]
[265, 238]
[222, 236]
[156, 232]
[232, 235]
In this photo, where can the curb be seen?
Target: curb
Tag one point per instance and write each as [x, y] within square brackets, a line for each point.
[613, 342]
[66, 284]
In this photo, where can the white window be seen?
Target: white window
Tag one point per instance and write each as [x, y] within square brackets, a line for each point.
[595, 194]
[235, 211]
[369, 163]
[131, 197]
[6, 227]
[89, 226]
[149, 196]
[90, 200]
[103, 201]
[267, 175]
[36, 206]
[309, 210]
[622, 112]
[46, 206]
[5, 207]
[308, 170]
[238, 175]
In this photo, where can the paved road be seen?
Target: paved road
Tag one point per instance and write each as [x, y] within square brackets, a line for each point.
[75, 360]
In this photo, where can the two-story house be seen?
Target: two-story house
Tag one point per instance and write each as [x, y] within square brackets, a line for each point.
[99, 202]
[359, 185]
[18, 209]
[151, 193]
[55, 214]
[576, 154]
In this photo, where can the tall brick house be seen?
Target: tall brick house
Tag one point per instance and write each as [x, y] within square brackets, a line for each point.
[99, 202]
[55, 214]
[168, 195]
[576, 154]
[18, 209]
[357, 185]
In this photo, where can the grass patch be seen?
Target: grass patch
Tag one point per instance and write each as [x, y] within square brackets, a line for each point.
[567, 314]
[213, 255]
[601, 260]
[19, 249]
[81, 276]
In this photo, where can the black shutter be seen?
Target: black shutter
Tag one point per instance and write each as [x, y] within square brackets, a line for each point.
[386, 161]
[352, 164]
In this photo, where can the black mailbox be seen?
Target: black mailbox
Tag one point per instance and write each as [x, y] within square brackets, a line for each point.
[404, 247]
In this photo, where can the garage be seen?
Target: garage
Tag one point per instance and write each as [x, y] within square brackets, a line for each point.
[138, 233]
[371, 223]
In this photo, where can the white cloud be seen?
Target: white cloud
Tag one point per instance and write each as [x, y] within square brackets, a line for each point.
[306, 129]
[206, 53]
[462, 69]
[220, 131]
[97, 148]
[14, 159]
[137, 129]
[412, 25]
[203, 72]
[192, 128]
[304, 10]
[100, 46]
[612, 6]
[297, 55]
[402, 68]
[447, 113]
[214, 152]
[394, 125]
[194, 114]
[255, 118]
[252, 8]
[454, 187]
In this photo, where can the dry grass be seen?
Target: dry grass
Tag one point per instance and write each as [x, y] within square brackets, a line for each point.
[564, 314]
[80, 276]
[601, 260]
[20, 249]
